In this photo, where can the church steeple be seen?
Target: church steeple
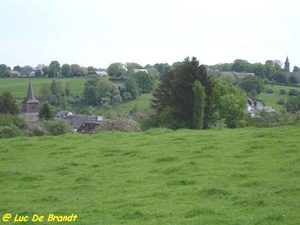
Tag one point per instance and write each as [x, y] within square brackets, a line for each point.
[30, 95]
[30, 104]
[287, 65]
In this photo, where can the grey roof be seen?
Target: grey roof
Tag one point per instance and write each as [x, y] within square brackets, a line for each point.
[77, 120]
[62, 114]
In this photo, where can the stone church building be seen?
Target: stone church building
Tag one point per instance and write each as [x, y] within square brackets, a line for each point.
[30, 106]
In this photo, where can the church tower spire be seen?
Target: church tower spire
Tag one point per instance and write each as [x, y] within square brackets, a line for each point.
[30, 104]
[287, 65]
[30, 95]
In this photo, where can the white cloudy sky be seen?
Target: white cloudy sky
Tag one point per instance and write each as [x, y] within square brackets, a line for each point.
[100, 32]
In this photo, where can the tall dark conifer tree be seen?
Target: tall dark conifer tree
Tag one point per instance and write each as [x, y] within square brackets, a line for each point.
[176, 95]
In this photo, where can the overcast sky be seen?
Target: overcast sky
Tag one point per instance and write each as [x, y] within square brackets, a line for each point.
[99, 32]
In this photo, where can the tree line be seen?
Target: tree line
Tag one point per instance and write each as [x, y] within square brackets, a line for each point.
[271, 70]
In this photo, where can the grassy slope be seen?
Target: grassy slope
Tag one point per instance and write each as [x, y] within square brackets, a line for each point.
[18, 86]
[271, 99]
[242, 176]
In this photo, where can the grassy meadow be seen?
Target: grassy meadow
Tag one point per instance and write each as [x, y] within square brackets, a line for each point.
[18, 86]
[271, 99]
[244, 176]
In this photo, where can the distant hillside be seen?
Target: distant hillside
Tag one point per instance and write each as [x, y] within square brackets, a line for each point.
[238, 176]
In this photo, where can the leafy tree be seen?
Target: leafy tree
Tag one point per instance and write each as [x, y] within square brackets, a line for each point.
[258, 69]
[90, 93]
[132, 66]
[104, 86]
[198, 105]
[45, 71]
[227, 77]
[293, 104]
[46, 112]
[240, 65]
[116, 69]
[144, 80]
[8, 104]
[26, 70]
[54, 69]
[91, 69]
[293, 79]
[250, 83]
[229, 104]
[176, 64]
[223, 67]
[132, 87]
[232, 109]
[173, 98]
[76, 71]
[17, 68]
[65, 70]
[296, 69]
[39, 73]
[162, 68]
[58, 127]
[153, 72]
[280, 77]
[4, 71]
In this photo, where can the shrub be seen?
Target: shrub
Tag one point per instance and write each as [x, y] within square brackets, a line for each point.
[289, 118]
[9, 120]
[35, 129]
[270, 91]
[118, 123]
[280, 102]
[58, 127]
[293, 92]
[282, 91]
[9, 132]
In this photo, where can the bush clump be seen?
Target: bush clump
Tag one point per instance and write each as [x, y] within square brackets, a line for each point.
[118, 123]
[280, 102]
[35, 129]
[282, 91]
[293, 92]
[58, 127]
[270, 91]
[9, 132]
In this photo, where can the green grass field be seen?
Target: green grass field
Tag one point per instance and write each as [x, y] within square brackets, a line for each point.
[271, 99]
[244, 176]
[18, 86]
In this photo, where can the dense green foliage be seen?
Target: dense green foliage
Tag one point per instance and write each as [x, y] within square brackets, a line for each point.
[293, 104]
[8, 104]
[173, 98]
[58, 127]
[4, 71]
[46, 112]
[132, 87]
[177, 105]
[250, 83]
[232, 176]
[116, 70]
[270, 70]
[198, 104]
[144, 81]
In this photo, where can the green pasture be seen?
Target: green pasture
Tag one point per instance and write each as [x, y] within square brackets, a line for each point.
[18, 86]
[271, 99]
[244, 176]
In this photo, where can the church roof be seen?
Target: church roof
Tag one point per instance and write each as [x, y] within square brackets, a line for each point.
[30, 96]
